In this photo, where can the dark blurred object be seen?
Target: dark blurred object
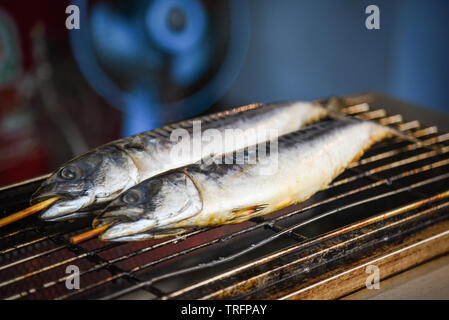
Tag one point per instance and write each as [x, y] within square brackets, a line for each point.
[298, 50]
[160, 61]
[22, 154]
[71, 117]
[318, 249]
[309, 49]
[50, 98]
[47, 112]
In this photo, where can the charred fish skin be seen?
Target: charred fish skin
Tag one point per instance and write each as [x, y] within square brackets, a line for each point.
[84, 180]
[156, 201]
[308, 160]
[102, 174]
[151, 152]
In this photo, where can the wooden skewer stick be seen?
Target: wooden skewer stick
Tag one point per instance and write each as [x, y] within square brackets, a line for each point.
[88, 234]
[27, 212]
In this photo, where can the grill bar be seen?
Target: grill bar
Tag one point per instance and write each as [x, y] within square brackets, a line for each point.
[301, 245]
[15, 233]
[340, 182]
[303, 263]
[409, 125]
[92, 255]
[254, 246]
[432, 242]
[41, 254]
[104, 264]
[388, 167]
[381, 176]
[26, 244]
[411, 147]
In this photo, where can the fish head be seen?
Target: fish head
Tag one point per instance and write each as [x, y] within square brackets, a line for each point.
[154, 203]
[95, 177]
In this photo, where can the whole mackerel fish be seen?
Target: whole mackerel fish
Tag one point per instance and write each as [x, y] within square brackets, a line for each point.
[100, 175]
[202, 195]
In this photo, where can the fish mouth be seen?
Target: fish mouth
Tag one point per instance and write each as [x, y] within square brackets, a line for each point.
[128, 224]
[47, 192]
[153, 234]
[66, 208]
[140, 230]
[137, 237]
[122, 227]
[49, 216]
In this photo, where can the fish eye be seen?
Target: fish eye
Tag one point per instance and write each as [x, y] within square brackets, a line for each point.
[131, 197]
[68, 173]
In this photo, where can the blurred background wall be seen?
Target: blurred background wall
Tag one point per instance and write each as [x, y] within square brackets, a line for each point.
[53, 105]
[310, 49]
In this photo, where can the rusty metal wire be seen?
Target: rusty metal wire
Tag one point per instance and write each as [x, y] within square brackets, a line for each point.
[423, 157]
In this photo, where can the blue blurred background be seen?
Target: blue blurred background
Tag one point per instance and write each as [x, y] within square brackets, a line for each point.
[136, 65]
[310, 49]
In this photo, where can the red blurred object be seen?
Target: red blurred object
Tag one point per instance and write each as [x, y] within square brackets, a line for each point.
[39, 82]
[22, 154]
[26, 14]
[22, 151]
[23, 165]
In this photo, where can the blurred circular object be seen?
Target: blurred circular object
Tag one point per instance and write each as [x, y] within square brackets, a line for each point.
[176, 25]
[161, 60]
[10, 54]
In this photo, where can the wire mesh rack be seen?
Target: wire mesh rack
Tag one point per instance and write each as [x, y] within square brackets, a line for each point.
[382, 202]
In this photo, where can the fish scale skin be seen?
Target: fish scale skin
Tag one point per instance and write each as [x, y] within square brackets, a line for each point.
[308, 160]
[154, 156]
[150, 154]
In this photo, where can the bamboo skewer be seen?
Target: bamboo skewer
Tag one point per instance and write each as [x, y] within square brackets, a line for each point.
[27, 212]
[88, 234]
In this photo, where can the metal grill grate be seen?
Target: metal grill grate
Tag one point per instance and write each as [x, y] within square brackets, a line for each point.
[248, 260]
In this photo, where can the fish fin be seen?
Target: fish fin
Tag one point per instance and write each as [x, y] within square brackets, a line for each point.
[335, 104]
[168, 232]
[411, 139]
[334, 112]
[245, 213]
[149, 235]
[356, 158]
[135, 145]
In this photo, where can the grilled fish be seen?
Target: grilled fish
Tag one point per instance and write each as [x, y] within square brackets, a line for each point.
[211, 194]
[93, 179]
